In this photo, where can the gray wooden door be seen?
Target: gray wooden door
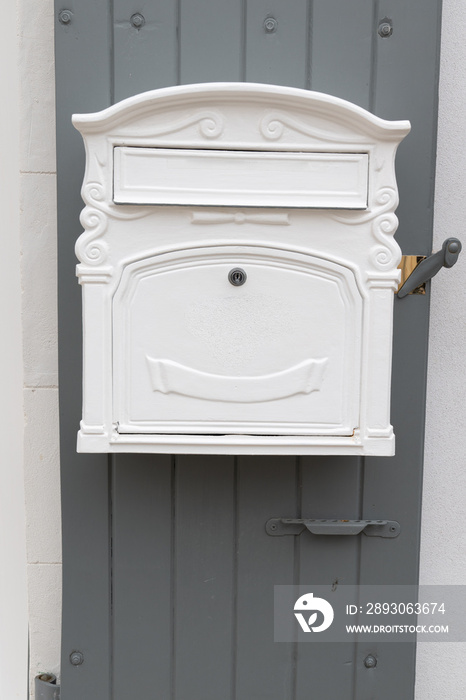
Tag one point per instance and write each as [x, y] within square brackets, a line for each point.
[168, 570]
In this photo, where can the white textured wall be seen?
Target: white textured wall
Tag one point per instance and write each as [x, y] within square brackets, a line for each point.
[13, 582]
[39, 282]
[441, 668]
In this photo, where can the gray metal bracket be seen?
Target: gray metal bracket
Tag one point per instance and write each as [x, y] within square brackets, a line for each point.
[46, 688]
[277, 527]
[446, 257]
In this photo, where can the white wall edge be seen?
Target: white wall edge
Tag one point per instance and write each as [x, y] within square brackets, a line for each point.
[13, 582]
[441, 667]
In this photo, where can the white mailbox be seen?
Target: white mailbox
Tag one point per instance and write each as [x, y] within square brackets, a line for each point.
[238, 269]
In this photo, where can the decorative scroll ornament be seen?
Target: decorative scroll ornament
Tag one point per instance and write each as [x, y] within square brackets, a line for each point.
[88, 248]
[172, 377]
[272, 128]
[385, 223]
[386, 200]
[94, 219]
[387, 255]
[210, 123]
[239, 218]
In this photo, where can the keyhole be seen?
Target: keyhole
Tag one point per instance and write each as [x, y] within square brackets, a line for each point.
[237, 276]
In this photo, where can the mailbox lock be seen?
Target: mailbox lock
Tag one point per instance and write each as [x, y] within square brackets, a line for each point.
[237, 276]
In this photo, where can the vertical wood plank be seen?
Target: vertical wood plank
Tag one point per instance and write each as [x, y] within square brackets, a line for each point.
[211, 40]
[405, 86]
[279, 56]
[341, 49]
[267, 488]
[341, 63]
[204, 572]
[83, 71]
[145, 58]
[393, 489]
[142, 564]
[331, 488]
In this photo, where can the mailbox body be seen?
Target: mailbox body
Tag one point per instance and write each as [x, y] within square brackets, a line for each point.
[294, 188]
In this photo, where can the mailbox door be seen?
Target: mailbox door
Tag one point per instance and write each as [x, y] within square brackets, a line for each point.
[279, 354]
[168, 569]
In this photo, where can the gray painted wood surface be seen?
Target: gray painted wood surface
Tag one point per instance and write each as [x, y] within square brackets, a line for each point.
[168, 571]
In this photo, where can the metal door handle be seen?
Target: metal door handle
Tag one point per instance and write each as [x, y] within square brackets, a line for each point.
[277, 527]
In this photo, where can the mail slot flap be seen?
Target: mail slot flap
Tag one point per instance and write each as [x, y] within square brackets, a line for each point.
[240, 178]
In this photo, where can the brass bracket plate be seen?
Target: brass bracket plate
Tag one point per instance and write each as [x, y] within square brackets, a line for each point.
[407, 265]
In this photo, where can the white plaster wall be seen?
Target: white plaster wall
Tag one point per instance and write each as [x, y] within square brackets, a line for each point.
[39, 324]
[441, 668]
[13, 583]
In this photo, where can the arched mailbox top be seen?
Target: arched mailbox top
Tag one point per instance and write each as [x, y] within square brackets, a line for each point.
[306, 105]
[293, 190]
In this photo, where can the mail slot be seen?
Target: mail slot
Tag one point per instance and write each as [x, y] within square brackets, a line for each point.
[238, 269]
[240, 178]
